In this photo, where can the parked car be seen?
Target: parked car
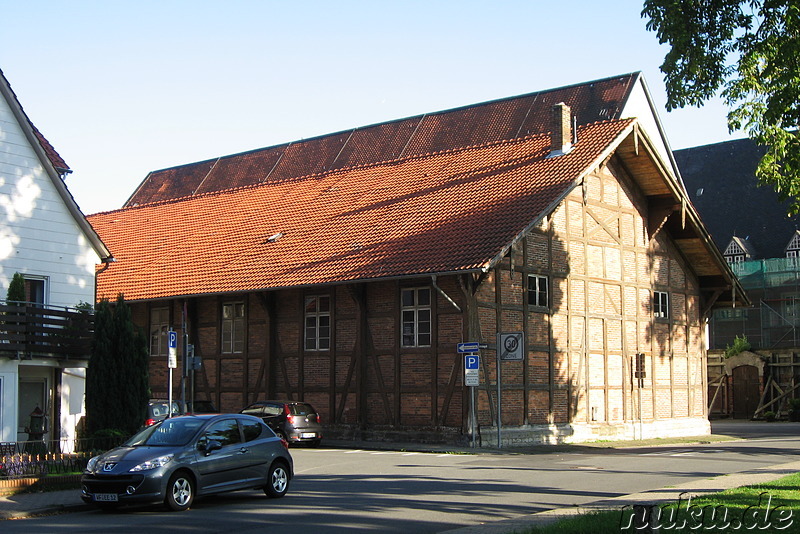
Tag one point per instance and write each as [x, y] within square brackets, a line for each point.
[157, 410]
[296, 422]
[180, 458]
[200, 406]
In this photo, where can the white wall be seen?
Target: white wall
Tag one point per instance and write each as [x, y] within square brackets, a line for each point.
[38, 235]
[638, 106]
[8, 399]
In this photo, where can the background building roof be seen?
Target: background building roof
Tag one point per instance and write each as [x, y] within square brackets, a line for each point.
[720, 180]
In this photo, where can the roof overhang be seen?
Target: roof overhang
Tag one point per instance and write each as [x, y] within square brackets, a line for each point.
[670, 209]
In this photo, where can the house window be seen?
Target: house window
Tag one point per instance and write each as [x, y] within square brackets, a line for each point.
[318, 322]
[537, 291]
[233, 327]
[416, 317]
[159, 326]
[661, 305]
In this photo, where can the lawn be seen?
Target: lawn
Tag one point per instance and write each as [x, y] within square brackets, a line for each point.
[768, 507]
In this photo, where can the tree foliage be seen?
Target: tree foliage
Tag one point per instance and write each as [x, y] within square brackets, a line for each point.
[117, 376]
[749, 52]
[16, 290]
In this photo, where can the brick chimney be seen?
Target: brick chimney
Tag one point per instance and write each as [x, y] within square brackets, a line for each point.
[561, 136]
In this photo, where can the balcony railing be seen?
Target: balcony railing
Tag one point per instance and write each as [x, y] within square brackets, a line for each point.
[29, 330]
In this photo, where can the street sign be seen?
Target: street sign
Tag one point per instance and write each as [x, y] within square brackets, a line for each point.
[510, 346]
[172, 361]
[472, 346]
[472, 370]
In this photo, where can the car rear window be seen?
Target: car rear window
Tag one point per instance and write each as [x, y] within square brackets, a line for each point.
[301, 409]
[255, 409]
[252, 429]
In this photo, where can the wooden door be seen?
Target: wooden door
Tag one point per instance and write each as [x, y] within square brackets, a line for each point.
[746, 391]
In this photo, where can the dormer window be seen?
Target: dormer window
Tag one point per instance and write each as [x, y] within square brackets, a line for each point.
[738, 251]
[793, 248]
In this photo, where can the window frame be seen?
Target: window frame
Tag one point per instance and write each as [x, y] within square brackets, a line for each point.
[163, 336]
[232, 339]
[318, 316]
[537, 292]
[661, 305]
[416, 311]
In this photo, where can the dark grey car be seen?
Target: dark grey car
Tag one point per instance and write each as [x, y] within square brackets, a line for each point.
[294, 421]
[180, 458]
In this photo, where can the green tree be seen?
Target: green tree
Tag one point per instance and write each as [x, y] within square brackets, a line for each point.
[117, 376]
[747, 51]
[16, 290]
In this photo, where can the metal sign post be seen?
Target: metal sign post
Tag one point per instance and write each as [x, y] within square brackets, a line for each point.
[472, 380]
[510, 346]
[172, 363]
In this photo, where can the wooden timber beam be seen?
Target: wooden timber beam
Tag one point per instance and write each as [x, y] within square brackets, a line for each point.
[659, 210]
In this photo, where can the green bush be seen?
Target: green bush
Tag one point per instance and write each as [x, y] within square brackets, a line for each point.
[794, 410]
[769, 416]
[740, 344]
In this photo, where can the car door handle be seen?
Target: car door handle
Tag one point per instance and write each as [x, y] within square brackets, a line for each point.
[244, 450]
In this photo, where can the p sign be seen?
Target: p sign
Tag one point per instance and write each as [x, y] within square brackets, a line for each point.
[471, 370]
[172, 360]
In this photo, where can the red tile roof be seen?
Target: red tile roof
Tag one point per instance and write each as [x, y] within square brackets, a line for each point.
[444, 212]
[505, 119]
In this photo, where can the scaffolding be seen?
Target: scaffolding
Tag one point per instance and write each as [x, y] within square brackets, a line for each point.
[773, 322]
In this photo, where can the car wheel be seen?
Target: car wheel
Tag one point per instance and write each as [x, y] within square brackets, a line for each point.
[180, 492]
[277, 480]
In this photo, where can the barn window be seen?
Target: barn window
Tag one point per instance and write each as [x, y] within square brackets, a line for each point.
[318, 322]
[159, 326]
[661, 305]
[416, 317]
[233, 327]
[538, 291]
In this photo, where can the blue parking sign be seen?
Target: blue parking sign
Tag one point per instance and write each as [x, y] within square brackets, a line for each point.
[471, 361]
[173, 339]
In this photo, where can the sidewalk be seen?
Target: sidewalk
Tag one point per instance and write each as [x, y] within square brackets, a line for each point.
[55, 502]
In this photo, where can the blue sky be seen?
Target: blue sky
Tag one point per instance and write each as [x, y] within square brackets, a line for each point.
[124, 88]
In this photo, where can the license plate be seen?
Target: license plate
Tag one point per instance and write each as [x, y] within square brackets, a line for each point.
[105, 497]
[306, 435]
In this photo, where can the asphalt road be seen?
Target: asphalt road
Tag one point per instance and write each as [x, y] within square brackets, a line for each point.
[340, 490]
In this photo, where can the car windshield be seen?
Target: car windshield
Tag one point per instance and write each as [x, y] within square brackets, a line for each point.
[167, 433]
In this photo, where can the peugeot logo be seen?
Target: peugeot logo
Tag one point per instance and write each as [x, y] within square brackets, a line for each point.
[108, 466]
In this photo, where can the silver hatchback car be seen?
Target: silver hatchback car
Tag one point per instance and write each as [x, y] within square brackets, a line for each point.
[180, 458]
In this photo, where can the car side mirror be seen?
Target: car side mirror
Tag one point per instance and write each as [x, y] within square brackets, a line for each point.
[210, 446]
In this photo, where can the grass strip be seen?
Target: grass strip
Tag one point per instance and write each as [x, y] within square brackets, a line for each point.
[768, 507]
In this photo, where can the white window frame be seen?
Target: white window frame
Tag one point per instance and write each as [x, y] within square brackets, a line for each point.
[539, 290]
[415, 317]
[317, 333]
[661, 305]
[232, 331]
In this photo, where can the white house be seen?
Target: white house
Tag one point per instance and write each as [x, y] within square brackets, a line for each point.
[45, 237]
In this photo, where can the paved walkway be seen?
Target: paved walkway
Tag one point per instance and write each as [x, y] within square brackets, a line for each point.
[54, 502]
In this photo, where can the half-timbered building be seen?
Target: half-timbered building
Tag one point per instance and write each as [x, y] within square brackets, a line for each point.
[351, 285]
